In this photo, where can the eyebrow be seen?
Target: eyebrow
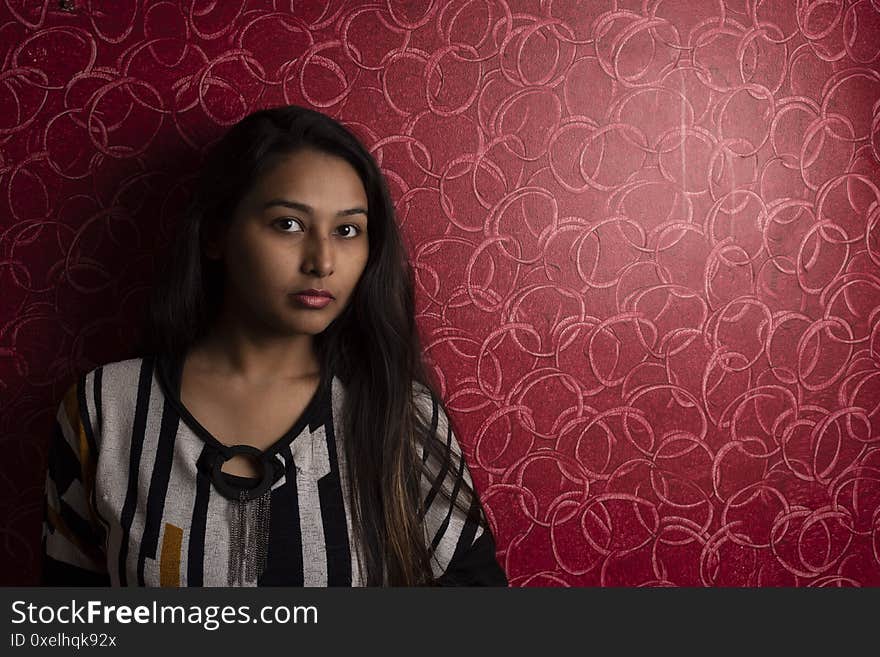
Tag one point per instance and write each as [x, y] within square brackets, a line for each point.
[308, 209]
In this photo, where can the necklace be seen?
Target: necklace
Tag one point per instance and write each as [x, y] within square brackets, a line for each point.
[250, 510]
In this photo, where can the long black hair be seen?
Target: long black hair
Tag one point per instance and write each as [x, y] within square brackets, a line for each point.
[378, 356]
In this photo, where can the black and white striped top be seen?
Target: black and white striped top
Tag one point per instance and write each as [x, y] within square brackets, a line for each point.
[130, 500]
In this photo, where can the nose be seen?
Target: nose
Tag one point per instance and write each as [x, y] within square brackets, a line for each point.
[318, 254]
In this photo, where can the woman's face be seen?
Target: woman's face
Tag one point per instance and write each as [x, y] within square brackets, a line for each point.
[302, 225]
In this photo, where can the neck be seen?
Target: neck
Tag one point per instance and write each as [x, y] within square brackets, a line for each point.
[231, 352]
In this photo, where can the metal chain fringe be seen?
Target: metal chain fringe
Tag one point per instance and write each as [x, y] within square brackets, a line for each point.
[249, 538]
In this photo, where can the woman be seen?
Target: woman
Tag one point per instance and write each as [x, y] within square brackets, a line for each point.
[285, 308]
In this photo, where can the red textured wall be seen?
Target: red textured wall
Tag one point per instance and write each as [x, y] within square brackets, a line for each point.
[646, 234]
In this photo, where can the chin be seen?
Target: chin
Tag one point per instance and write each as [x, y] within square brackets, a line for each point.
[313, 326]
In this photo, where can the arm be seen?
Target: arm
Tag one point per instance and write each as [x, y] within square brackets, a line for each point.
[475, 565]
[73, 539]
[462, 544]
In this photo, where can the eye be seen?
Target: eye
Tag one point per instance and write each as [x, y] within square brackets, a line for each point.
[355, 226]
[287, 220]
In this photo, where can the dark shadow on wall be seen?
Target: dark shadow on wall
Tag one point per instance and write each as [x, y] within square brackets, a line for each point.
[75, 300]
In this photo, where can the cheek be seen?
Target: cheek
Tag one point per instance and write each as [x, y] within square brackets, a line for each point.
[354, 268]
[261, 267]
[359, 260]
[269, 253]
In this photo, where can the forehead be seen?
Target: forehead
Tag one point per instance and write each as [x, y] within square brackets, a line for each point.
[319, 179]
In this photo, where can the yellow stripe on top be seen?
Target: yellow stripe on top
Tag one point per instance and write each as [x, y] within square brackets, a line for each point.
[169, 565]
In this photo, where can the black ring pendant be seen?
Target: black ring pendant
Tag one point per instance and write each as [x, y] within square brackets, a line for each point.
[267, 476]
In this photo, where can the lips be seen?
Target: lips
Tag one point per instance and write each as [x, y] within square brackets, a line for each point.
[313, 292]
[313, 300]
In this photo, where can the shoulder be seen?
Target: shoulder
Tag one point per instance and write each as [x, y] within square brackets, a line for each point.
[422, 395]
[104, 393]
[121, 380]
[127, 368]
[432, 409]
[427, 401]
[107, 375]
[115, 382]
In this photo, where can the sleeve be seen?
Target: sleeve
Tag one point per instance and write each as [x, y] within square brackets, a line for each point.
[462, 544]
[73, 551]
